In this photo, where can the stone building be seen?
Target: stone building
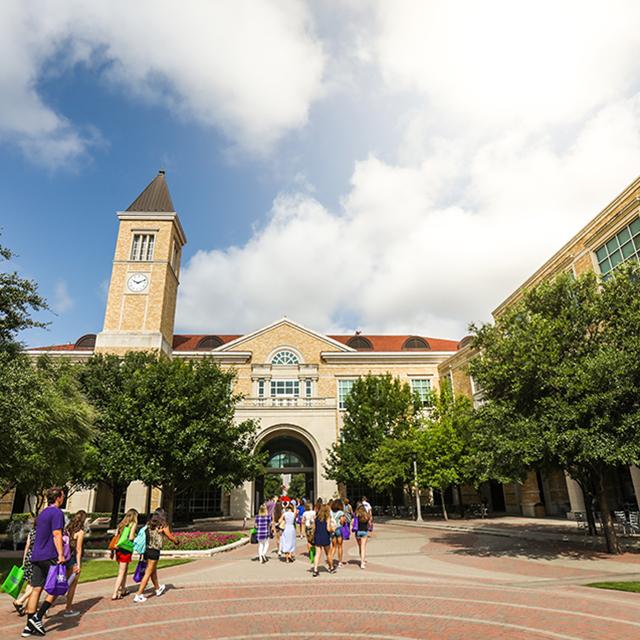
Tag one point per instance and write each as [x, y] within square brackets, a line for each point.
[295, 379]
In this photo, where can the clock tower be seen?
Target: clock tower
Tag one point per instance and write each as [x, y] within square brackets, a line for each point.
[141, 305]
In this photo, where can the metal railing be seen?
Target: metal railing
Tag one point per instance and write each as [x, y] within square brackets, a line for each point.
[285, 402]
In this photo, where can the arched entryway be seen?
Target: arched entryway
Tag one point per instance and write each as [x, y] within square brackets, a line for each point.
[291, 457]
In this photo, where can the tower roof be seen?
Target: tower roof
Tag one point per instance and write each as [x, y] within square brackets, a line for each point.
[155, 197]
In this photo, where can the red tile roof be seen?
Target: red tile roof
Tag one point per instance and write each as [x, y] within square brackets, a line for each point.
[189, 342]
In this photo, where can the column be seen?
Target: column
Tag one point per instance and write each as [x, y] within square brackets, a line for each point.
[136, 497]
[529, 495]
[576, 497]
[85, 500]
[635, 478]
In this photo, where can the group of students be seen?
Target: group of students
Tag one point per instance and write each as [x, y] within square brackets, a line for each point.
[53, 542]
[324, 525]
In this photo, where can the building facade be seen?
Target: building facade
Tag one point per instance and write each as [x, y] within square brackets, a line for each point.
[294, 380]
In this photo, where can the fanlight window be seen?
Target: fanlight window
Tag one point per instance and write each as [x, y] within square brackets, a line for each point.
[285, 357]
[209, 342]
[360, 343]
[414, 342]
[283, 460]
[87, 341]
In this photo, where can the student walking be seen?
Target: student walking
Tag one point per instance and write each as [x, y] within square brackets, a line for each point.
[264, 530]
[308, 525]
[300, 512]
[157, 530]
[126, 533]
[362, 533]
[322, 538]
[75, 533]
[277, 517]
[288, 538]
[19, 602]
[338, 520]
[47, 552]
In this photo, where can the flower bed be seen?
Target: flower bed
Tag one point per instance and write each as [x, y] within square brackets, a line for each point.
[197, 540]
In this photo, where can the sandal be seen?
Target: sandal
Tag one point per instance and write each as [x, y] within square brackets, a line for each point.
[118, 597]
[19, 609]
[315, 573]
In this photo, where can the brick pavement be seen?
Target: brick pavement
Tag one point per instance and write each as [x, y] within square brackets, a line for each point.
[418, 584]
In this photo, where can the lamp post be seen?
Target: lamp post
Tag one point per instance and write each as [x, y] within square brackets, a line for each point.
[415, 479]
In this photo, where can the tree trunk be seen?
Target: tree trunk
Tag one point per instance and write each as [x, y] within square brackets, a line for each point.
[116, 492]
[444, 506]
[611, 538]
[168, 500]
[147, 503]
[587, 495]
[460, 505]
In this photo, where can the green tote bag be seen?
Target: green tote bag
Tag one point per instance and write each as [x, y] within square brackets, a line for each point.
[13, 582]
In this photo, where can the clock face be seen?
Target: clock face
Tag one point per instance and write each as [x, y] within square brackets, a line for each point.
[137, 282]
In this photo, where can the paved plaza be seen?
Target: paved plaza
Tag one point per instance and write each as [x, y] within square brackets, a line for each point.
[419, 583]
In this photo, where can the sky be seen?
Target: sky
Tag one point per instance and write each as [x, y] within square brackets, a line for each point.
[388, 167]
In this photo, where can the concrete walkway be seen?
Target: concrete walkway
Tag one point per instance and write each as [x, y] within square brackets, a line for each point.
[419, 583]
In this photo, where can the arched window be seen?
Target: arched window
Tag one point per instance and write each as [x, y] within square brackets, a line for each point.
[209, 343]
[87, 341]
[285, 357]
[284, 459]
[414, 342]
[360, 343]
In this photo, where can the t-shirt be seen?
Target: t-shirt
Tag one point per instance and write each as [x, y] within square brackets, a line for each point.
[335, 516]
[308, 518]
[50, 520]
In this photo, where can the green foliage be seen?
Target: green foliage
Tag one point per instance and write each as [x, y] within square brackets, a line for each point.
[19, 298]
[272, 485]
[45, 424]
[298, 486]
[561, 371]
[376, 408]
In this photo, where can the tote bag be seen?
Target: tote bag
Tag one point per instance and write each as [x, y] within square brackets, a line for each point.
[140, 570]
[56, 583]
[13, 582]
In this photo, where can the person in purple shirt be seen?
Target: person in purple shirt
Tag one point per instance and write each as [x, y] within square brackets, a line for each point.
[48, 551]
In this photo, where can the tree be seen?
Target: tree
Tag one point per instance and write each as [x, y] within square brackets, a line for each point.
[272, 485]
[376, 407]
[560, 370]
[111, 384]
[184, 429]
[444, 456]
[45, 425]
[298, 486]
[18, 299]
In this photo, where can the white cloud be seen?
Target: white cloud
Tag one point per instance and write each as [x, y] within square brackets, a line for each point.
[251, 68]
[402, 254]
[62, 300]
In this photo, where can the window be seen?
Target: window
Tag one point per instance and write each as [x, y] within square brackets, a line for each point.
[142, 247]
[625, 245]
[175, 258]
[285, 388]
[422, 387]
[284, 459]
[261, 388]
[209, 342]
[285, 357]
[308, 386]
[360, 343]
[414, 342]
[344, 389]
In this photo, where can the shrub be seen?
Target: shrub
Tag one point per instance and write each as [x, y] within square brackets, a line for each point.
[196, 540]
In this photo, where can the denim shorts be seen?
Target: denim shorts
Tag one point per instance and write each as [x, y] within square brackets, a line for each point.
[362, 534]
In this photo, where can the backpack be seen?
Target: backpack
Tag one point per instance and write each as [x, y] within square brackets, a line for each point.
[140, 541]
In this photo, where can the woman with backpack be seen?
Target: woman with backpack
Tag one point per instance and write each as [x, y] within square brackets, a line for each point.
[339, 520]
[126, 534]
[363, 518]
[322, 538]
[157, 530]
[75, 534]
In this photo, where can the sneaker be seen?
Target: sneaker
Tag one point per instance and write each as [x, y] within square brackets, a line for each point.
[160, 590]
[71, 613]
[26, 632]
[139, 598]
[36, 626]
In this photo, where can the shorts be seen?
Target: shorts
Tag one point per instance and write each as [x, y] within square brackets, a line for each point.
[71, 562]
[362, 534]
[152, 554]
[122, 555]
[337, 533]
[39, 571]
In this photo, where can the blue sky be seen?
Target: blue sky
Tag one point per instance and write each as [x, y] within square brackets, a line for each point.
[350, 165]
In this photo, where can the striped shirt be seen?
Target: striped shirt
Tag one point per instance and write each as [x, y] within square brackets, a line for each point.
[263, 524]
